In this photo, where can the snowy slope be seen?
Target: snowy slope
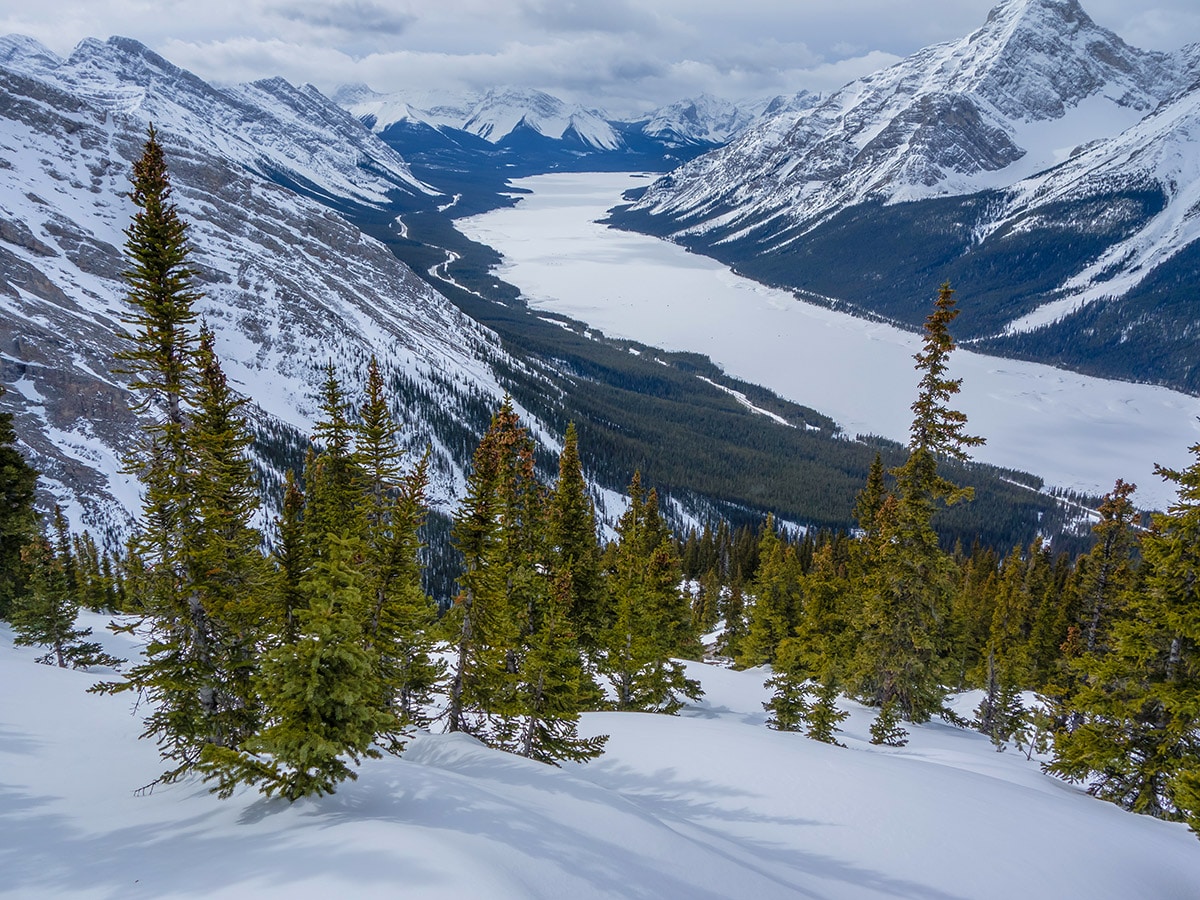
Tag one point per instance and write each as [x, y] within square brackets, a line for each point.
[1160, 153]
[1007, 101]
[288, 284]
[710, 805]
[270, 127]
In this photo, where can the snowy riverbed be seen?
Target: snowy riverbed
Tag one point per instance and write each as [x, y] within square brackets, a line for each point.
[1074, 431]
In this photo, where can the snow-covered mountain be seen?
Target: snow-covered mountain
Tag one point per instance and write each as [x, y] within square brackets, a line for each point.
[714, 120]
[495, 115]
[1007, 101]
[288, 284]
[1038, 163]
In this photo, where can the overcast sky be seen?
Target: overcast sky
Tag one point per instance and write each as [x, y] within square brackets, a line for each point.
[624, 55]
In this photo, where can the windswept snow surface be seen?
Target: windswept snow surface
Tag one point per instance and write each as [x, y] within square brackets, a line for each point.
[709, 805]
[1076, 432]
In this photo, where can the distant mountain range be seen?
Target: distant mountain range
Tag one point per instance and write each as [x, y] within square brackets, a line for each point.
[472, 144]
[1043, 166]
[1038, 164]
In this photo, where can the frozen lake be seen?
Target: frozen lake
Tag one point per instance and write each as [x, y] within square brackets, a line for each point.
[1074, 431]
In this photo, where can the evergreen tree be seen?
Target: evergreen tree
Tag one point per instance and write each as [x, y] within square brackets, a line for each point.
[732, 607]
[553, 687]
[823, 715]
[777, 598]
[651, 620]
[44, 614]
[789, 704]
[486, 533]
[397, 629]
[179, 674]
[886, 729]
[573, 545]
[1006, 668]
[18, 520]
[226, 568]
[321, 692]
[1134, 732]
[909, 588]
[869, 501]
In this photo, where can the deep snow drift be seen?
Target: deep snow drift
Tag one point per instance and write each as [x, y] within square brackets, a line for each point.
[1073, 430]
[709, 805]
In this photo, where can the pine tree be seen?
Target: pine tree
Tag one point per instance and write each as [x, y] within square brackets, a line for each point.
[573, 545]
[226, 568]
[651, 620]
[553, 687]
[44, 614]
[823, 715]
[886, 729]
[1005, 661]
[18, 520]
[485, 533]
[789, 705]
[1135, 718]
[777, 598]
[179, 674]
[321, 693]
[909, 588]
[397, 629]
[869, 501]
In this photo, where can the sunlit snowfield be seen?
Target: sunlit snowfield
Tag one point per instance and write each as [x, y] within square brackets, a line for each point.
[708, 805]
[1074, 431]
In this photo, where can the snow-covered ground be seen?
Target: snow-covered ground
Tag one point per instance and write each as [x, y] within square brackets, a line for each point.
[710, 805]
[1074, 431]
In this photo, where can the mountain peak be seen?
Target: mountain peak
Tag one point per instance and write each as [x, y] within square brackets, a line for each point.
[20, 48]
[1033, 58]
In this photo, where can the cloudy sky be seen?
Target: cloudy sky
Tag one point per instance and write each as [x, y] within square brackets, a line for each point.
[625, 55]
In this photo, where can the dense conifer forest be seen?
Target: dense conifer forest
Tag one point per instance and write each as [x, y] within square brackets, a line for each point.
[281, 659]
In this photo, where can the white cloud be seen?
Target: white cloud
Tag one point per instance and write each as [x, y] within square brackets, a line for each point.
[624, 54]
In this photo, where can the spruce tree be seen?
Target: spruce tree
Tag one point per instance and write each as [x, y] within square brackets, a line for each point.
[789, 706]
[573, 545]
[18, 520]
[179, 673]
[824, 718]
[485, 627]
[777, 598]
[1135, 717]
[398, 626]
[321, 692]
[886, 729]
[44, 614]
[651, 619]
[909, 588]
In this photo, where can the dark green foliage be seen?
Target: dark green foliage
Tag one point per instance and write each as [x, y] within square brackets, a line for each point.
[823, 715]
[400, 615]
[44, 614]
[789, 706]
[651, 619]
[777, 598]
[160, 291]
[1133, 719]
[574, 550]
[886, 729]
[321, 693]
[18, 521]
[909, 580]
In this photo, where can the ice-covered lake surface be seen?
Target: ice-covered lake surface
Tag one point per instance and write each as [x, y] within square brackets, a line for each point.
[1074, 431]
